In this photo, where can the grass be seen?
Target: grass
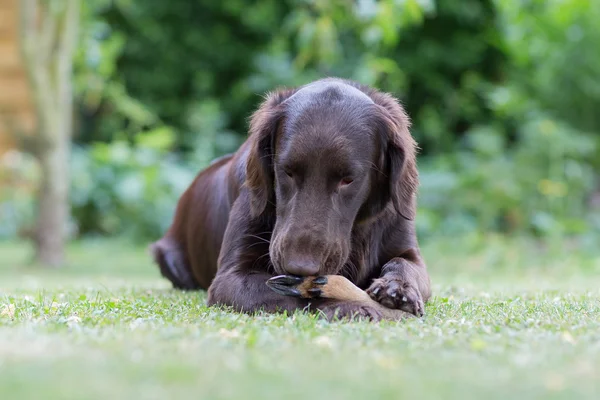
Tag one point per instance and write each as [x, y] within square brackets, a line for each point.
[511, 320]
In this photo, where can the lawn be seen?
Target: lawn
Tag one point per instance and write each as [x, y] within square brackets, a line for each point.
[509, 319]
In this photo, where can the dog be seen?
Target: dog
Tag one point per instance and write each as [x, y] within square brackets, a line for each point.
[325, 185]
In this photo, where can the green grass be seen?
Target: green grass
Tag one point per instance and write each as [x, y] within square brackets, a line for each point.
[510, 320]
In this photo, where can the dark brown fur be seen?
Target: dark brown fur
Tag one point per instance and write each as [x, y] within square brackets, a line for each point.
[325, 185]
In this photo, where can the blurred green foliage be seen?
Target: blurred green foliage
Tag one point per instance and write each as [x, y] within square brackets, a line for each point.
[119, 187]
[504, 97]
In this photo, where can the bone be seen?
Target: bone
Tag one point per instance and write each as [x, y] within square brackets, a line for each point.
[331, 287]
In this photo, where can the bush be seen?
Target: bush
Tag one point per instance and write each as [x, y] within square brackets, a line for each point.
[116, 188]
[18, 175]
[503, 95]
[539, 185]
[119, 188]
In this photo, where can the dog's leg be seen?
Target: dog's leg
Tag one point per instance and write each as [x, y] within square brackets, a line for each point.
[404, 284]
[171, 260]
[247, 292]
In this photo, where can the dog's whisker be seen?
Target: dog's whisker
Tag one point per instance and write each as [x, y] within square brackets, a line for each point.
[260, 258]
[258, 237]
[374, 167]
[267, 156]
[351, 269]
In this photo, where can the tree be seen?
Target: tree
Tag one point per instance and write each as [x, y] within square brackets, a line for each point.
[48, 37]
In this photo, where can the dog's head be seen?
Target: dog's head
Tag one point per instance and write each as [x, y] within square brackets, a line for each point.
[328, 156]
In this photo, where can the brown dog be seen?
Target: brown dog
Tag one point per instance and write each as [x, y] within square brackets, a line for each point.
[325, 185]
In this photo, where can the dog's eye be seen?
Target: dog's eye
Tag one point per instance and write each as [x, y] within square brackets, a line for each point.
[346, 181]
[289, 173]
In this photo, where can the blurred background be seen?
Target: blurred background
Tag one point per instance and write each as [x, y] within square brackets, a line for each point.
[108, 109]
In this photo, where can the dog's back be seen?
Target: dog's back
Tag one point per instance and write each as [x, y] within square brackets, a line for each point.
[187, 254]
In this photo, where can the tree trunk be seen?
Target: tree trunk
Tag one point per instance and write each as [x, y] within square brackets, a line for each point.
[48, 32]
[53, 205]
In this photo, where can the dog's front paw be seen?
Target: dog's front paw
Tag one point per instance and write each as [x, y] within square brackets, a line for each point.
[397, 293]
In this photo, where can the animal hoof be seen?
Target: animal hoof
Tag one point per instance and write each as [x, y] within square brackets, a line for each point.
[285, 280]
[297, 286]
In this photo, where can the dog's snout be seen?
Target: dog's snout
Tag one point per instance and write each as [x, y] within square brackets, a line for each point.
[307, 255]
[302, 266]
[304, 254]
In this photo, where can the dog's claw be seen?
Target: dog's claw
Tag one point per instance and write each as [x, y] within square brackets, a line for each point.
[314, 292]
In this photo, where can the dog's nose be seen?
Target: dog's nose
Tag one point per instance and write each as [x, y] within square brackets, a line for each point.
[302, 267]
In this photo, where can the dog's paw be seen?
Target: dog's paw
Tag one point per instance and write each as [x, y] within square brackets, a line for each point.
[396, 293]
[351, 311]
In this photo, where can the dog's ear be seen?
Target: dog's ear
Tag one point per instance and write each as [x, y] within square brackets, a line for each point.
[400, 154]
[264, 125]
